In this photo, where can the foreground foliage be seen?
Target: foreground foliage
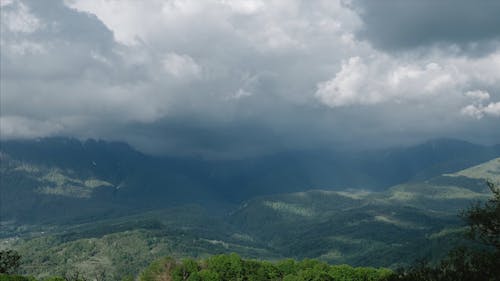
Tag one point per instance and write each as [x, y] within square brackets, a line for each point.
[9, 277]
[233, 267]
[463, 263]
[9, 261]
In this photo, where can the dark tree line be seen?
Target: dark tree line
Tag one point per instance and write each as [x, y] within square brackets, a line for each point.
[10, 261]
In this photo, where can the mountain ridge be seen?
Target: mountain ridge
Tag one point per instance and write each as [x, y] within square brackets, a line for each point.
[389, 228]
[114, 177]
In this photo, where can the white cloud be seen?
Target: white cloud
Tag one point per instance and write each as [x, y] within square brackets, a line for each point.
[181, 66]
[244, 6]
[135, 22]
[17, 17]
[492, 109]
[5, 2]
[348, 86]
[473, 111]
[24, 47]
[477, 109]
[384, 79]
[90, 66]
[126, 25]
[265, 25]
[240, 94]
[478, 95]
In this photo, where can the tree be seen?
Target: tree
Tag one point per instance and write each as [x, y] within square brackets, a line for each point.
[160, 267]
[184, 271]
[466, 264]
[55, 278]
[10, 277]
[208, 275]
[75, 275]
[229, 267]
[484, 219]
[10, 261]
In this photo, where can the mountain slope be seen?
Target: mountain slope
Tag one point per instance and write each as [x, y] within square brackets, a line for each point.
[406, 222]
[388, 228]
[39, 178]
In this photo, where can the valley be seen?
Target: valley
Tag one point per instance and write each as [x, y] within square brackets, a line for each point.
[81, 219]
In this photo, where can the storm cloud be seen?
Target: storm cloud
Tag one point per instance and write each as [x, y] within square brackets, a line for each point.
[237, 78]
[395, 25]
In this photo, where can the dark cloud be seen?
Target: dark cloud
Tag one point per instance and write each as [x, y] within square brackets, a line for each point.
[473, 26]
[232, 79]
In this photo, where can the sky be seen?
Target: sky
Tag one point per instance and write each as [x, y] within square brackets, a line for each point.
[229, 78]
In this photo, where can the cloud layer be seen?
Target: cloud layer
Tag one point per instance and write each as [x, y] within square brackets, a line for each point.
[407, 24]
[237, 78]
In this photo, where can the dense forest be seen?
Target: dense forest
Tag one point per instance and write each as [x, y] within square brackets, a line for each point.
[478, 263]
[233, 267]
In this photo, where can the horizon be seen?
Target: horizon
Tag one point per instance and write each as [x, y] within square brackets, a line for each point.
[341, 150]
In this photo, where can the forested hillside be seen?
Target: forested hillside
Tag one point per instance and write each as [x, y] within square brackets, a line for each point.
[477, 262]
[80, 206]
[232, 267]
[391, 228]
[89, 179]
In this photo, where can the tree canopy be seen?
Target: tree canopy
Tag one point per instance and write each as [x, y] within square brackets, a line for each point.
[468, 264]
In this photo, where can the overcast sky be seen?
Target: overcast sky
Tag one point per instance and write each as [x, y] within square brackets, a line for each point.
[236, 78]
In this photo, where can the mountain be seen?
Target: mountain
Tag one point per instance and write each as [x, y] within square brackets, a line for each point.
[387, 228]
[407, 221]
[60, 178]
[52, 179]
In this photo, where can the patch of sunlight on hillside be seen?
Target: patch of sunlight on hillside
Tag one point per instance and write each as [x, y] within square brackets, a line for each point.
[27, 168]
[396, 222]
[57, 183]
[453, 192]
[302, 194]
[489, 171]
[216, 242]
[93, 183]
[68, 191]
[56, 177]
[355, 194]
[331, 255]
[410, 192]
[399, 195]
[349, 240]
[242, 237]
[289, 208]
[447, 231]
